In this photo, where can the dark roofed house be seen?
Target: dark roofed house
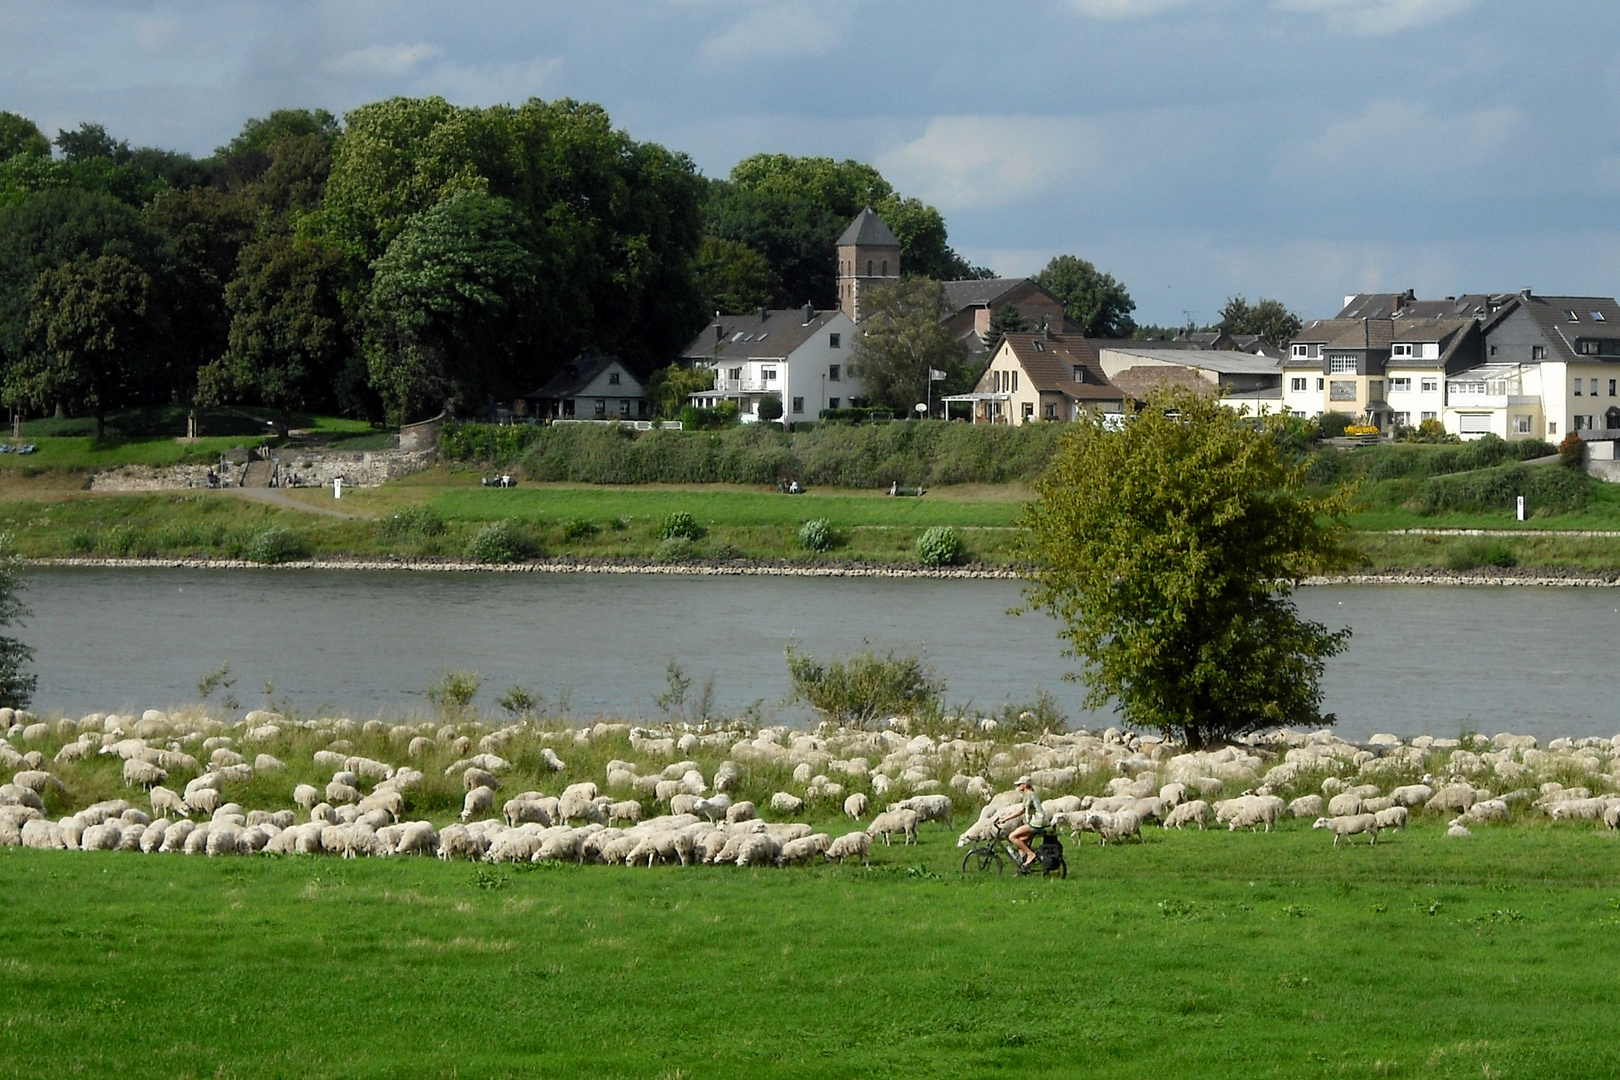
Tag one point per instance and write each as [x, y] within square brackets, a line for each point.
[1042, 377]
[591, 387]
[977, 300]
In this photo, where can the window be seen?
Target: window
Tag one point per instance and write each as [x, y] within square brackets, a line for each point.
[1571, 316]
[613, 378]
[1579, 422]
[1400, 350]
[769, 374]
[1404, 419]
[1038, 346]
[835, 341]
[1079, 374]
[1015, 380]
[1473, 423]
[832, 372]
[1577, 388]
[832, 403]
[1341, 365]
[1302, 350]
[1594, 388]
[798, 405]
[1293, 384]
[1467, 389]
[1051, 410]
[1320, 384]
[1401, 385]
[1552, 427]
[1538, 352]
[734, 373]
[1029, 410]
[1429, 386]
[1341, 390]
[1611, 388]
[868, 267]
[1521, 425]
[1597, 316]
[601, 407]
[1493, 350]
[1375, 390]
[1428, 414]
[885, 267]
[624, 406]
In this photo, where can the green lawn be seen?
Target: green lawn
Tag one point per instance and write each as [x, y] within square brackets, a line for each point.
[1209, 955]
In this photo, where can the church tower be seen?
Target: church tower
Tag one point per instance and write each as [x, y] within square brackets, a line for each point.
[868, 255]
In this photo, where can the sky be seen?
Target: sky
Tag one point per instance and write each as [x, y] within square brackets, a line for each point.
[1195, 149]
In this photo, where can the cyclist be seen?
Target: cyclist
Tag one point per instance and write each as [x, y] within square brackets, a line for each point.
[1028, 808]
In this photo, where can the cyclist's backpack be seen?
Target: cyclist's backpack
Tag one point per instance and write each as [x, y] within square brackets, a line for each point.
[1050, 853]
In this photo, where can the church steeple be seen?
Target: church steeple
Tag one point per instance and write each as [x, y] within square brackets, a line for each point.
[868, 254]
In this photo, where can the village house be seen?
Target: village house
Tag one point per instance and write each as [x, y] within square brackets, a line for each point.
[591, 387]
[798, 358]
[1043, 377]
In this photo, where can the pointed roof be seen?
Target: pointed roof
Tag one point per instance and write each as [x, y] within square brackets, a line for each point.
[868, 230]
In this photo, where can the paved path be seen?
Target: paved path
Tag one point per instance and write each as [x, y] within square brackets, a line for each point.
[274, 497]
[1502, 532]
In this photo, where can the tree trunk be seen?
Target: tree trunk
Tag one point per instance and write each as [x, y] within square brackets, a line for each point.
[101, 425]
[285, 426]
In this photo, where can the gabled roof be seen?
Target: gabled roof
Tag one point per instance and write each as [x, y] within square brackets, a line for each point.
[1407, 306]
[1049, 362]
[983, 292]
[1220, 361]
[1552, 316]
[579, 373]
[769, 335]
[868, 230]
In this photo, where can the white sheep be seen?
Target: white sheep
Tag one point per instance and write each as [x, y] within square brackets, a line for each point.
[849, 846]
[338, 792]
[1121, 825]
[1306, 806]
[417, 838]
[927, 807]
[521, 811]
[784, 802]
[1195, 812]
[389, 801]
[714, 807]
[740, 811]
[306, 796]
[477, 801]
[1392, 817]
[684, 803]
[758, 849]
[476, 777]
[1349, 826]
[855, 806]
[626, 810]
[803, 849]
[894, 821]
[457, 842]
[1345, 804]
[165, 801]
[1411, 795]
[176, 835]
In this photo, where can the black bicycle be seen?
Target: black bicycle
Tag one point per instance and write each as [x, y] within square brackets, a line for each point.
[994, 856]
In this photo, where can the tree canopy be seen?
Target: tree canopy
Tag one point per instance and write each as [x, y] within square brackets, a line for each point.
[1168, 549]
[1089, 297]
[902, 339]
[1268, 318]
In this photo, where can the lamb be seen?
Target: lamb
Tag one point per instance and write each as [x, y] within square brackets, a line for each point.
[849, 846]
[165, 801]
[477, 801]
[1392, 817]
[894, 821]
[855, 806]
[1196, 812]
[1349, 826]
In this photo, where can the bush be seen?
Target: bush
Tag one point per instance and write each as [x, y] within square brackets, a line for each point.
[1572, 451]
[864, 688]
[940, 546]
[1545, 489]
[1481, 552]
[1332, 424]
[580, 529]
[1432, 431]
[675, 549]
[492, 443]
[770, 408]
[723, 415]
[276, 544]
[680, 526]
[500, 542]
[816, 535]
[454, 692]
[855, 415]
[414, 522]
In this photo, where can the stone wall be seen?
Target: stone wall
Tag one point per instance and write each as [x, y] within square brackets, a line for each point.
[297, 468]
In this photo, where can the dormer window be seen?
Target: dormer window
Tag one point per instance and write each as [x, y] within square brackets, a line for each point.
[613, 378]
[1079, 374]
[1302, 350]
[1400, 351]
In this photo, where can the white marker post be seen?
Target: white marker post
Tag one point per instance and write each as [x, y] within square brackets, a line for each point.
[1521, 507]
[337, 488]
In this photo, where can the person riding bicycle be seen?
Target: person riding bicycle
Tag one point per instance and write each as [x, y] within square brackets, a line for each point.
[1028, 808]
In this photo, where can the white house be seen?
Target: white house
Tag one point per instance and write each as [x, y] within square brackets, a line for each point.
[799, 357]
[591, 387]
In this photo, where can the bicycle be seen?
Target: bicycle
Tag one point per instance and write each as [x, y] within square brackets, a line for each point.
[994, 856]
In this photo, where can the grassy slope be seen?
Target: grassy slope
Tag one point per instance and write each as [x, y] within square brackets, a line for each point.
[1195, 954]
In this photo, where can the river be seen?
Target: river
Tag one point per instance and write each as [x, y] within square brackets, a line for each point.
[1423, 659]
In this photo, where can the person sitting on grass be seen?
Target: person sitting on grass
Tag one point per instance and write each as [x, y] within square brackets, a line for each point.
[1028, 808]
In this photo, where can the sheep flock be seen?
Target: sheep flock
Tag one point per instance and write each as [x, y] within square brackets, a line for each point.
[729, 793]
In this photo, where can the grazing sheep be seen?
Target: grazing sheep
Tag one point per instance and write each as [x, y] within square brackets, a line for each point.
[714, 807]
[855, 806]
[165, 801]
[1196, 812]
[553, 762]
[927, 808]
[575, 805]
[266, 763]
[1577, 810]
[1392, 817]
[740, 811]
[417, 838]
[476, 777]
[1250, 812]
[803, 849]
[41, 835]
[38, 781]
[628, 810]
[369, 768]
[1412, 795]
[222, 839]
[785, 803]
[1611, 816]
[17, 795]
[684, 803]
[478, 801]
[758, 849]
[203, 800]
[176, 835]
[1458, 831]
[521, 811]
[103, 837]
[1173, 795]
[390, 801]
[1121, 825]
[306, 796]
[849, 846]
[1306, 806]
[1457, 797]
[138, 773]
[1345, 804]
[337, 792]
[152, 838]
[1349, 826]
[457, 842]
[894, 821]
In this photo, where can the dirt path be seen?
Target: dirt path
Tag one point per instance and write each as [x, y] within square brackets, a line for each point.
[274, 497]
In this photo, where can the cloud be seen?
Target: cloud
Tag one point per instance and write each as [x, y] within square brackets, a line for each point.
[1127, 9]
[382, 61]
[1395, 143]
[1372, 18]
[772, 31]
[972, 161]
[485, 84]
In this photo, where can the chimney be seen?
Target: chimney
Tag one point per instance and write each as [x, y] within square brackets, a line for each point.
[809, 314]
[1525, 293]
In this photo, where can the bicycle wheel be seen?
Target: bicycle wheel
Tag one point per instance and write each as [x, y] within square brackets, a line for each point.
[983, 860]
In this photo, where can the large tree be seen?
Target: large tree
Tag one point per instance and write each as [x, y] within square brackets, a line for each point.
[904, 337]
[93, 328]
[288, 342]
[1168, 549]
[733, 277]
[20, 135]
[1269, 318]
[1090, 297]
[452, 305]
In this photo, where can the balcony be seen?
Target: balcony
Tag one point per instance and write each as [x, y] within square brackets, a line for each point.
[747, 386]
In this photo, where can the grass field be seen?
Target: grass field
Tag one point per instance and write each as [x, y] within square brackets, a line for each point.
[1211, 955]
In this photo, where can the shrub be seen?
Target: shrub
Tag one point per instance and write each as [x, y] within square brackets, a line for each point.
[414, 522]
[500, 542]
[675, 549]
[680, 526]
[275, 544]
[454, 692]
[1481, 552]
[940, 546]
[1432, 431]
[770, 408]
[1572, 451]
[580, 529]
[1546, 490]
[864, 688]
[486, 442]
[816, 535]
[1356, 430]
[1332, 424]
[119, 540]
[723, 415]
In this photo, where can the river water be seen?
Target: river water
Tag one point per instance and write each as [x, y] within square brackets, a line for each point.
[1423, 659]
